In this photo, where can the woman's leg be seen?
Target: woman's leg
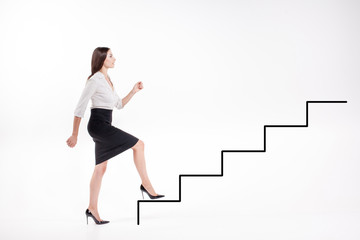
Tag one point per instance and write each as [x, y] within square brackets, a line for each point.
[139, 160]
[95, 185]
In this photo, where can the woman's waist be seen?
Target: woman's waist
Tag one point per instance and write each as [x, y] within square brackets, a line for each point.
[101, 114]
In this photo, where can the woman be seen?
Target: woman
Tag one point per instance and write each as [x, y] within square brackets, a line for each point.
[109, 140]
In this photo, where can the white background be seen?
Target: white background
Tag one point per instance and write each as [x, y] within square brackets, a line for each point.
[214, 72]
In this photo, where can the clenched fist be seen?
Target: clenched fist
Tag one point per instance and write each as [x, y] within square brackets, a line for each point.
[71, 142]
[138, 86]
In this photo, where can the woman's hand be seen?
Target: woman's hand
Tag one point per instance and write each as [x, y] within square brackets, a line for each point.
[138, 86]
[71, 142]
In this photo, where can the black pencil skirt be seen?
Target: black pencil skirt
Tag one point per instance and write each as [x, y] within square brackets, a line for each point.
[109, 140]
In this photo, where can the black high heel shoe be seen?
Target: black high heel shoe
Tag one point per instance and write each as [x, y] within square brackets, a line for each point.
[150, 196]
[89, 214]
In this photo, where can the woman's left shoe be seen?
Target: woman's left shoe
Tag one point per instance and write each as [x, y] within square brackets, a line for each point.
[89, 214]
[150, 196]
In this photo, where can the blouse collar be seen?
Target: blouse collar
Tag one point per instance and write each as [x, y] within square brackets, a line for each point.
[103, 77]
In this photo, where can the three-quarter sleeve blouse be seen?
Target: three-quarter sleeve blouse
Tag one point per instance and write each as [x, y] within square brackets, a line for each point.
[101, 94]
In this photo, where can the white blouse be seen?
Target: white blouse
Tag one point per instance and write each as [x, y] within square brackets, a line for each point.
[102, 95]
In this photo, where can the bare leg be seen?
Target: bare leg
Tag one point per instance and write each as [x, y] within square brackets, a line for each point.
[95, 185]
[139, 160]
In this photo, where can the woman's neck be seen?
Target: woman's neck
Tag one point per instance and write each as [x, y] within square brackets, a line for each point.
[103, 70]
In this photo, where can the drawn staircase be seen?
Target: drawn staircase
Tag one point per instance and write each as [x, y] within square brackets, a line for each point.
[225, 151]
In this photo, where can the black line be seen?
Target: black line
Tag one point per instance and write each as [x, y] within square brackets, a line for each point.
[226, 151]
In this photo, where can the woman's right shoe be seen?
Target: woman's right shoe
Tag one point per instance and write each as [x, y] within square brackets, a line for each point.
[89, 214]
[150, 196]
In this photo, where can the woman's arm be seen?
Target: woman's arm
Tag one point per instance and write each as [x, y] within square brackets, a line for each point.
[76, 125]
[126, 99]
[88, 91]
[71, 142]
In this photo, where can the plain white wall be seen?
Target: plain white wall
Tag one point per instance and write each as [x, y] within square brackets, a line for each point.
[214, 72]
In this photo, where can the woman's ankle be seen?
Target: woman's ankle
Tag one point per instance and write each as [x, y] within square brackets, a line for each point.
[94, 209]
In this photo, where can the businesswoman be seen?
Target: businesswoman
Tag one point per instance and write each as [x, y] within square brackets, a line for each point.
[109, 140]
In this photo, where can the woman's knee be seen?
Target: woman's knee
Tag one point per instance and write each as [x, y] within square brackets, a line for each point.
[101, 167]
[139, 145]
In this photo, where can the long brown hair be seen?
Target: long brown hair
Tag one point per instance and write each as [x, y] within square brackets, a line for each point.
[98, 59]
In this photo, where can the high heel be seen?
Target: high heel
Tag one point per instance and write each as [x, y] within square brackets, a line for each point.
[150, 196]
[89, 214]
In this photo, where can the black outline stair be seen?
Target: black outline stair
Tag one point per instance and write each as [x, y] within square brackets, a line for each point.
[222, 157]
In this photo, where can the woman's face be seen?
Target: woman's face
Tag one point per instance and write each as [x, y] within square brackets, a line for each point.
[110, 60]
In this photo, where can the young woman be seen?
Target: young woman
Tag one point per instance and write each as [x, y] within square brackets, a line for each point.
[109, 140]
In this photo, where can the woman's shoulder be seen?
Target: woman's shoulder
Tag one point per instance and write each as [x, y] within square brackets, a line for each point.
[96, 77]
